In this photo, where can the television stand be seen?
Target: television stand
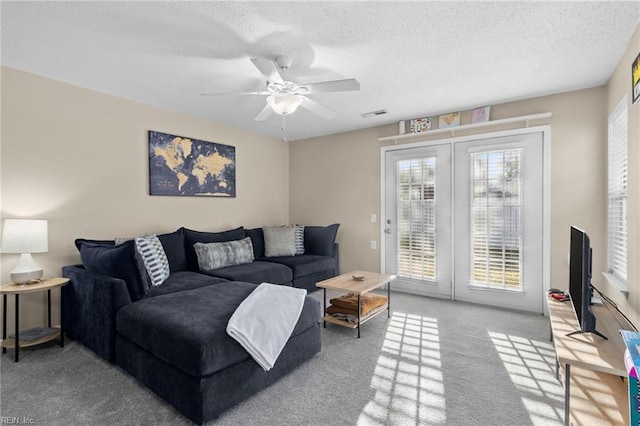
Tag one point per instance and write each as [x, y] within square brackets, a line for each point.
[591, 367]
[597, 333]
[590, 325]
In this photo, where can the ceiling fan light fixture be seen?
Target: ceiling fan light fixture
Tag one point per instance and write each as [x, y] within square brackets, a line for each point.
[284, 103]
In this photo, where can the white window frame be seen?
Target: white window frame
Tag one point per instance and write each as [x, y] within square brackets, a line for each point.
[617, 196]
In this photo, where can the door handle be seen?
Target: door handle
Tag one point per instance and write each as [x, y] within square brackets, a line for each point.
[387, 230]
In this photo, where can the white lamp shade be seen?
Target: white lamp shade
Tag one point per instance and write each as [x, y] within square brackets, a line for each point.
[284, 103]
[24, 236]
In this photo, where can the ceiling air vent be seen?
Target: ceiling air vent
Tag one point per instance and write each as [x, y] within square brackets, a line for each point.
[374, 113]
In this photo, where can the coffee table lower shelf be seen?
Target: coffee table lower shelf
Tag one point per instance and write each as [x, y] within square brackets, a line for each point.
[363, 319]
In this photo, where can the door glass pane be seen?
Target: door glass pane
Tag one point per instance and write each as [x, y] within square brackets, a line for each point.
[496, 206]
[416, 251]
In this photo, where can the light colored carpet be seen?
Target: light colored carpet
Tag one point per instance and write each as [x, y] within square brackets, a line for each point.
[433, 362]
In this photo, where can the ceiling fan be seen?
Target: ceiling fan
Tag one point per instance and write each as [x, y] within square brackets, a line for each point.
[284, 96]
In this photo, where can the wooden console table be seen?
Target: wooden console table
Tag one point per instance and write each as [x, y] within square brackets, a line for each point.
[592, 367]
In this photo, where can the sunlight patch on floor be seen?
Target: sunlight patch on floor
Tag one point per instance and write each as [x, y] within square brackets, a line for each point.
[531, 367]
[407, 380]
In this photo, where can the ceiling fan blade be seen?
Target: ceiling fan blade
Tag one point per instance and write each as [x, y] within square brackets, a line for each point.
[235, 93]
[315, 107]
[333, 86]
[268, 69]
[264, 114]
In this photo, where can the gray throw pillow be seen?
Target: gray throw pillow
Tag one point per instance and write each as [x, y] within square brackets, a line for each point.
[218, 255]
[279, 241]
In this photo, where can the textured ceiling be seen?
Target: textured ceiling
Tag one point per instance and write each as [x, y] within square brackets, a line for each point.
[411, 58]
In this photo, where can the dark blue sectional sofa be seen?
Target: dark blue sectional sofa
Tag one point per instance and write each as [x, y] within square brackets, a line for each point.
[173, 338]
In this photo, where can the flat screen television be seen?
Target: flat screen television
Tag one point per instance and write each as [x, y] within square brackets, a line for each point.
[580, 289]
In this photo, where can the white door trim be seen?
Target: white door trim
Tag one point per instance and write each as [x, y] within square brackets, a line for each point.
[546, 189]
[440, 286]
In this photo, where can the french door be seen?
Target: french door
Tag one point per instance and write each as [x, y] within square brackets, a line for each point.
[418, 219]
[464, 220]
[498, 189]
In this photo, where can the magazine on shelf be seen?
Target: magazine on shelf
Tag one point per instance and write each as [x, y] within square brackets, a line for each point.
[34, 334]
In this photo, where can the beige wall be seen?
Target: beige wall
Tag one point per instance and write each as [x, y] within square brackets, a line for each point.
[79, 158]
[336, 178]
[619, 85]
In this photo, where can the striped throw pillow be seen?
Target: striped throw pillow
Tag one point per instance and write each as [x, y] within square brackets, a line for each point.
[299, 235]
[154, 258]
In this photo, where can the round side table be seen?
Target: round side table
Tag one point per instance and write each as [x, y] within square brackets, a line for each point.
[34, 336]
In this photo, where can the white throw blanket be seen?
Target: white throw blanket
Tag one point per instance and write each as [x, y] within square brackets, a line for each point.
[264, 321]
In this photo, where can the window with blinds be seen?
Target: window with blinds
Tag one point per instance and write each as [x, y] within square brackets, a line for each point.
[496, 219]
[617, 192]
[416, 251]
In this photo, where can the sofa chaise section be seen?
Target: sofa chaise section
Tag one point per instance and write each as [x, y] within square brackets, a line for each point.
[91, 302]
[177, 345]
[188, 329]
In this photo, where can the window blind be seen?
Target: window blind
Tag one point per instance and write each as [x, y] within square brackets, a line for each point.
[416, 251]
[617, 192]
[496, 205]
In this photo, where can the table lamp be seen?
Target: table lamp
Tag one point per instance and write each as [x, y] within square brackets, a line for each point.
[25, 236]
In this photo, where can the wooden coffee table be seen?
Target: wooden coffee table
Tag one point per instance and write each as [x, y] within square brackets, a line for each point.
[348, 284]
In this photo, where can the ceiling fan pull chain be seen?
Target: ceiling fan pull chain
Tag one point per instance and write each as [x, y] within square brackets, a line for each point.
[284, 125]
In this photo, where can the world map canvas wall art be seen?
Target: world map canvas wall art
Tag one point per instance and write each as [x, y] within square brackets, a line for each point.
[182, 166]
